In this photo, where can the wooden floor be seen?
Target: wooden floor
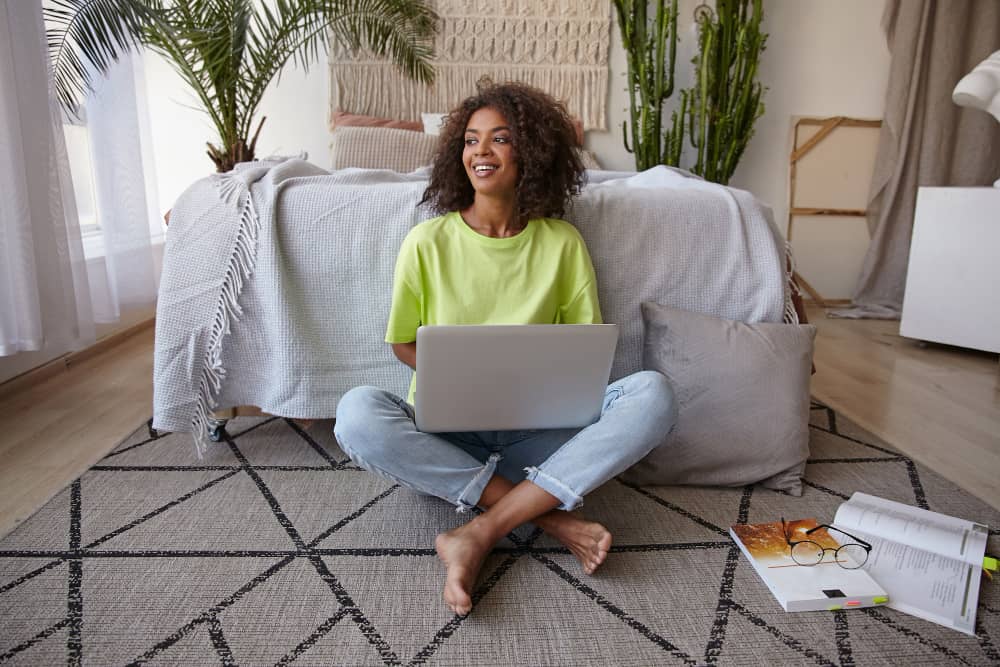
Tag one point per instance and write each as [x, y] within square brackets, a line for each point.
[940, 405]
[54, 430]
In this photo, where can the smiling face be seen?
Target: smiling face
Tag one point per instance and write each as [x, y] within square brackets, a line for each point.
[489, 157]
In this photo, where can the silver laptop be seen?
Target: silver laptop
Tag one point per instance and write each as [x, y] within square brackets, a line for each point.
[512, 377]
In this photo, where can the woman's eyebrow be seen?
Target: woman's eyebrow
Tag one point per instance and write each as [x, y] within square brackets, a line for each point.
[495, 129]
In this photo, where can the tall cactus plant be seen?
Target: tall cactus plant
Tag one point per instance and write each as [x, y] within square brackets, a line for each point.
[650, 46]
[725, 101]
[719, 111]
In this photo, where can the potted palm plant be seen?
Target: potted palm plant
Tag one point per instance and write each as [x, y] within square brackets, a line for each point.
[228, 51]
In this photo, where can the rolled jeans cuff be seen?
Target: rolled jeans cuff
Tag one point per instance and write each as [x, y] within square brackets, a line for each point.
[569, 498]
[470, 495]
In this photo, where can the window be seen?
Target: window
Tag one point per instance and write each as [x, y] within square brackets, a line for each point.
[82, 171]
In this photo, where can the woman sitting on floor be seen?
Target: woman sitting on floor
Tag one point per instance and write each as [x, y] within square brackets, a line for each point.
[504, 172]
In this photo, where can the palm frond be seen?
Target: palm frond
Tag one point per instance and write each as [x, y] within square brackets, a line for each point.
[400, 29]
[229, 51]
[88, 35]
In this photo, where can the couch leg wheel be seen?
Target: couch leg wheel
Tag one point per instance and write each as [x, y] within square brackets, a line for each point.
[216, 429]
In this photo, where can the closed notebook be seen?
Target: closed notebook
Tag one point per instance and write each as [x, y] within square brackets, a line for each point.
[824, 586]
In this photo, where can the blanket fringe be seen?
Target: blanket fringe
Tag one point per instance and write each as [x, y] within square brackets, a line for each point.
[240, 267]
[791, 316]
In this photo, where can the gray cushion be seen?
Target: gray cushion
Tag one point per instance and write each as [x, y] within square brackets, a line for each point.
[380, 148]
[743, 400]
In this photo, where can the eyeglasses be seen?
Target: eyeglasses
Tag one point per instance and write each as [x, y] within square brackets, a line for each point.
[849, 556]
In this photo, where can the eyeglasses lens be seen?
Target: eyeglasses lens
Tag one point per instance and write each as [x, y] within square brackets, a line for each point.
[807, 553]
[852, 556]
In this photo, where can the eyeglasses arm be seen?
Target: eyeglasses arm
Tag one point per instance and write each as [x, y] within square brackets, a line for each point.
[860, 541]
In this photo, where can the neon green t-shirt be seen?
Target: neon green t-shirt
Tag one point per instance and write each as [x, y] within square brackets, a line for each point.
[447, 273]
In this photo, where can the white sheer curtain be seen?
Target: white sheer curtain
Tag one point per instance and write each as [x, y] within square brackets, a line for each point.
[124, 179]
[44, 296]
[54, 286]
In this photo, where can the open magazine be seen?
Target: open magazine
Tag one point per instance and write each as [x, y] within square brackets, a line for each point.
[930, 563]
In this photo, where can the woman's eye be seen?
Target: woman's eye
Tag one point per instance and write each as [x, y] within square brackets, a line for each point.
[501, 140]
[469, 141]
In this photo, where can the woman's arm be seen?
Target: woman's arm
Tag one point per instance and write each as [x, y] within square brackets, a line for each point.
[406, 352]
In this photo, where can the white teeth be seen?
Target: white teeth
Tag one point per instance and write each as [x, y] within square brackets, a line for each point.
[482, 169]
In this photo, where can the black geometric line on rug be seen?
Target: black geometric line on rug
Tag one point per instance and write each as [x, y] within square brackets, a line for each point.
[219, 642]
[130, 448]
[919, 495]
[208, 614]
[74, 557]
[28, 643]
[831, 416]
[526, 547]
[334, 463]
[452, 626]
[30, 575]
[916, 485]
[251, 428]
[63, 556]
[321, 631]
[74, 594]
[787, 640]
[842, 635]
[913, 634]
[872, 459]
[262, 577]
[259, 579]
[835, 432]
[986, 642]
[77, 554]
[673, 508]
[448, 630]
[717, 635]
[366, 627]
[615, 610]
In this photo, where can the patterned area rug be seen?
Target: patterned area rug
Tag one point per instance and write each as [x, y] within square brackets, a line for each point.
[276, 550]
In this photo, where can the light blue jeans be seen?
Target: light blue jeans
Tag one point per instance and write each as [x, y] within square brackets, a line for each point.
[376, 429]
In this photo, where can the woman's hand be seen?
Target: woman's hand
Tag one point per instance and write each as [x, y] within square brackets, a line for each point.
[406, 352]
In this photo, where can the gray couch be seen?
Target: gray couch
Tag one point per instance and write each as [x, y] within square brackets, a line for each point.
[276, 279]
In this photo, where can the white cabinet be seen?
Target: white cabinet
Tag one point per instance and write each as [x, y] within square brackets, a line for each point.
[953, 279]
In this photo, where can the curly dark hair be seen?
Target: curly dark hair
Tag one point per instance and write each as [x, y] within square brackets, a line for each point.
[543, 138]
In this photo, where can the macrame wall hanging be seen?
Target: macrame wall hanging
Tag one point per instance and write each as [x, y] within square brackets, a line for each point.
[560, 46]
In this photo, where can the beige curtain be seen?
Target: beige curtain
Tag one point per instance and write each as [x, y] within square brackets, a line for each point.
[925, 139]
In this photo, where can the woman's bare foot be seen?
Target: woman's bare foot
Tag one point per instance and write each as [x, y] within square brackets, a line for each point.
[463, 551]
[588, 540]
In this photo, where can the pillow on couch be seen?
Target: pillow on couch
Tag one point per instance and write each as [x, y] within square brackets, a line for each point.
[346, 119]
[743, 400]
[588, 158]
[380, 148]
